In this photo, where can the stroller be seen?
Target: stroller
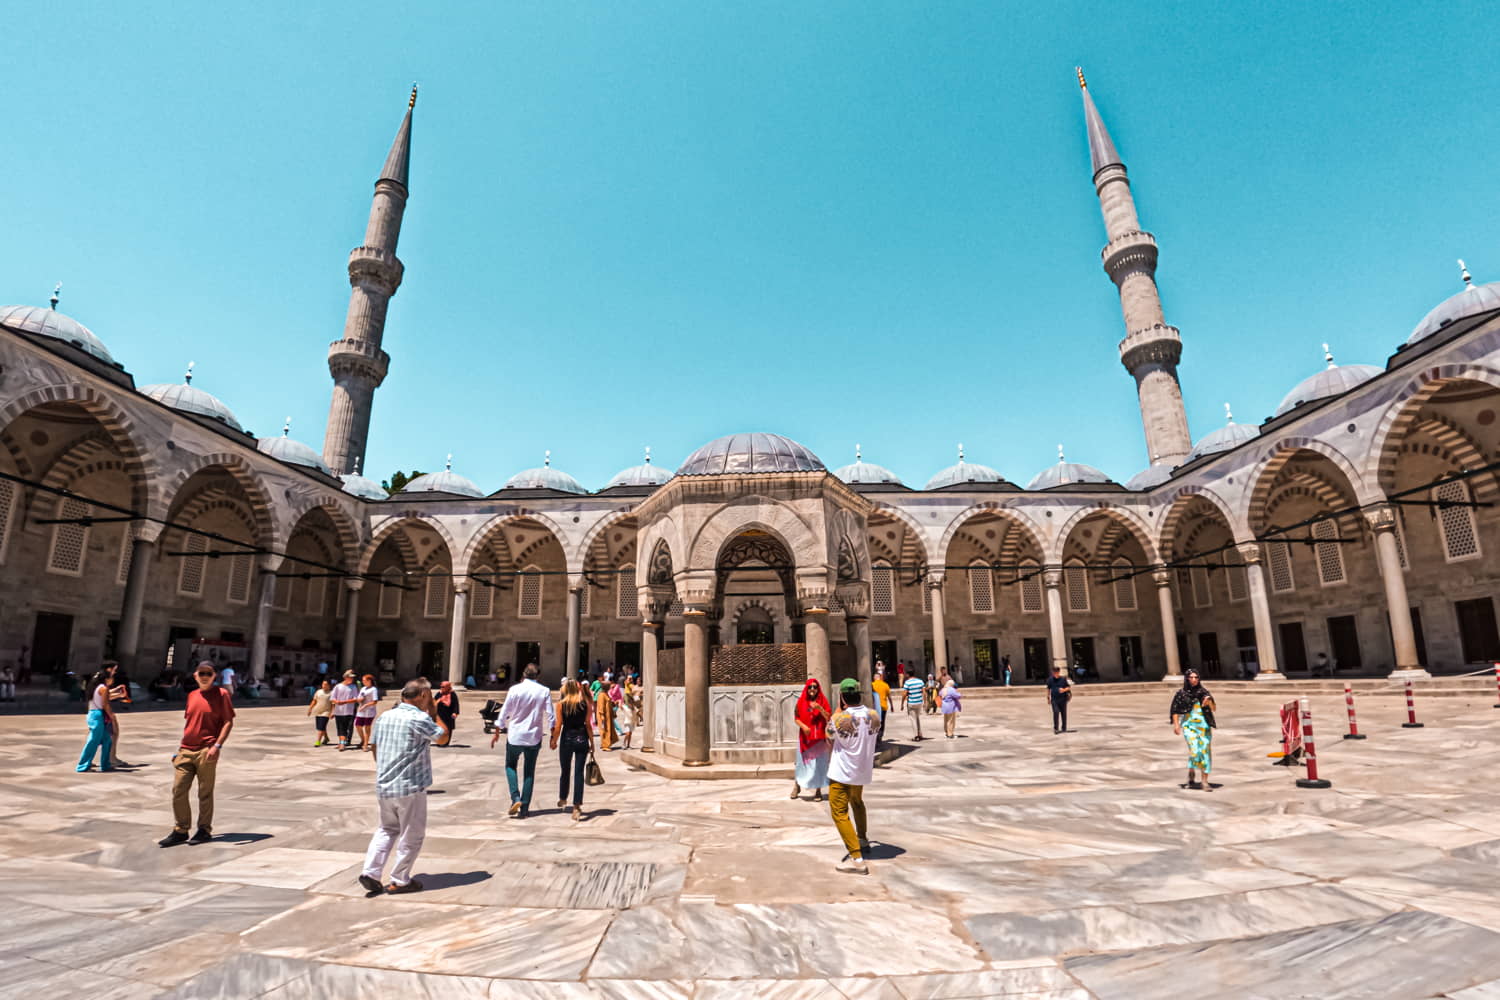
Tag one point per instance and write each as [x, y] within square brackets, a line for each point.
[490, 713]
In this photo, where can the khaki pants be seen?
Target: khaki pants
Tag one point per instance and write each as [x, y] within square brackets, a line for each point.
[842, 800]
[949, 721]
[187, 765]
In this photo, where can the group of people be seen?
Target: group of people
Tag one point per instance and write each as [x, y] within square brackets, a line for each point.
[616, 703]
[939, 694]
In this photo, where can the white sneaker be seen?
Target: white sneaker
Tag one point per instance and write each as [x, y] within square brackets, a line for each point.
[853, 865]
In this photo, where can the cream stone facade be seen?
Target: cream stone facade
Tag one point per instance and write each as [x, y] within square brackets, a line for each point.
[1358, 522]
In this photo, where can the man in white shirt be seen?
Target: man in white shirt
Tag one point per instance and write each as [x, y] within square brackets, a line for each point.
[226, 679]
[853, 730]
[527, 714]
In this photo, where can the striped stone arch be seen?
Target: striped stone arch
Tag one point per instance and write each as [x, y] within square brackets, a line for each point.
[343, 525]
[205, 501]
[919, 534]
[269, 532]
[1128, 518]
[1263, 476]
[1177, 504]
[777, 617]
[1405, 404]
[116, 422]
[529, 553]
[577, 559]
[1454, 446]
[1015, 521]
[393, 528]
[480, 538]
[83, 458]
[1316, 488]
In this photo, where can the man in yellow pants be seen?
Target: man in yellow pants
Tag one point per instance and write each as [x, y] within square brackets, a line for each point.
[853, 731]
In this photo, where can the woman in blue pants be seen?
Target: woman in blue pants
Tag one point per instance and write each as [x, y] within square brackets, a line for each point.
[100, 722]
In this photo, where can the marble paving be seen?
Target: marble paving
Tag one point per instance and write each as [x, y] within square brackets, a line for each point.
[1007, 863]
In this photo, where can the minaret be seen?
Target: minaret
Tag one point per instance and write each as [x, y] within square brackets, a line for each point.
[1151, 348]
[357, 363]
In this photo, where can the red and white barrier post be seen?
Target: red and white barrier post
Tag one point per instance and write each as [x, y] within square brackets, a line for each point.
[1309, 753]
[1353, 733]
[1411, 711]
[1497, 684]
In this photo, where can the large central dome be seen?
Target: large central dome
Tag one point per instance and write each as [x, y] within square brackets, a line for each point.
[741, 453]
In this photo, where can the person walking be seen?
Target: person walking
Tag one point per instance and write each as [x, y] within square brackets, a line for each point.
[402, 740]
[365, 709]
[447, 712]
[882, 692]
[620, 694]
[226, 679]
[100, 720]
[952, 704]
[345, 703]
[1193, 720]
[526, 715]
[604, 716]
[7, 683]
[929, 694]
[811, 715]
[852, 733]
[210, 717]
[573, 739]
[1005, 663]
[915, 695]
[321, 710]
[1059, 691]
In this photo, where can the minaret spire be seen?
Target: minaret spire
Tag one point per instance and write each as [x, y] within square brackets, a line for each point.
[356, 361]
[1151, 348]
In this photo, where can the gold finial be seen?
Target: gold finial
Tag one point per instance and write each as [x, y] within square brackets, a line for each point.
[449, 465]
[413, 102]
[57, 290]
[857, 456]
[1060, 459]
[648, 454]
[1082, 85]
[960, 451]
[547, 459]
[1328, 356]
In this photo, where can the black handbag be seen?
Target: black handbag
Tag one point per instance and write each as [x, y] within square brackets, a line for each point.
[592, 773]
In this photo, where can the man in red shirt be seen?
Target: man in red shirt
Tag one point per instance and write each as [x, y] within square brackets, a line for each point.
[210, 717]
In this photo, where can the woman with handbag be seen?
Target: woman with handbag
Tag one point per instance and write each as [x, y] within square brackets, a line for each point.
[1193, 720]
[573, 739]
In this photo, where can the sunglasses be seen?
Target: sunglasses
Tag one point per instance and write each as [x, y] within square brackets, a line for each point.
[205, 673]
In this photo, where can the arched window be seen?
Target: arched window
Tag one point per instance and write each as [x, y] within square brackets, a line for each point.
[926, 596]
[1076, 578]
[981, 588]
[69, 541]
[435, 601]
[1330, 554]
[529, 599]
[1031, 587]
[1279, 559]
[481, 593]
[7, 506]
[237, 591]
[584, 593]
[1124, 585]
[317, 587]
[190, 571]
[627, 601]
[1455, 523]
[1203, 591]
[390, 593]
[1239, 581]
[882, 589]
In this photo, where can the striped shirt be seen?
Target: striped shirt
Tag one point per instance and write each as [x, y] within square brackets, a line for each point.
[914, 688]
[403, 754]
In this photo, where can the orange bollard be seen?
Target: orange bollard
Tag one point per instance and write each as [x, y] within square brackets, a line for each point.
[1353, 733]
[1411, 711]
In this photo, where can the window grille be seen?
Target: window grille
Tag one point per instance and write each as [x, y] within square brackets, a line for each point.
[1203, 594]
[675, 608]
[627, 601]
[127, 553]
[1330, 555]
[835, 606]
[1124, 586]
[390, 593]
[1279, 556]
[481, 593]
[529, 601]
[583, 599]
[435, 601]
[238, 589]
[1239, 581]
[1031, 588]
[981, 589]
[883, 589]
[1076, 579]
[7, 505]
[1460, 540]
[316, 589]
[69, 541]
[190, 573]
[926, 597]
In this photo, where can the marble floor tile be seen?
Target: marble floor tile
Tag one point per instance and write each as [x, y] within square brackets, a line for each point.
[281, 867]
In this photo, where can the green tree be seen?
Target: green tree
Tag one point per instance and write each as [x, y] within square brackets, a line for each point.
[398, 481]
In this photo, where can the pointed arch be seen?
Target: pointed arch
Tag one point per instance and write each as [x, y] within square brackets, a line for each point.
[1127, 517]
[269, 532]
[344, 526]
[118, 425]
[479, 540]
[1406, 403]
[394, 527]
[1015, 519]
[1179, 501]
[918, 533]
[1263, 473]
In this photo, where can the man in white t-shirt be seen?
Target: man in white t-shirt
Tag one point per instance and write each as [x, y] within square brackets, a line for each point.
[526, 716]
[226, 679]
[853, 730]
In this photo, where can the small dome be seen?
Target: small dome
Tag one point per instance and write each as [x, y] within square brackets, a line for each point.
[1150, 477]
[186, 397]
[53, 324]
[1473, 300]
[866, 472]
[292, 452]
[1231, 435]
[964, 472]
[1335, 380]
[446, 481]
[1066, 473]
[365, 489]
[640, 475]
[736, 454]
[544, 478]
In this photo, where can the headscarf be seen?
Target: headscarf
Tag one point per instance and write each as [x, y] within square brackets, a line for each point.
[817, 722]
[615, 694]
[1189, 695]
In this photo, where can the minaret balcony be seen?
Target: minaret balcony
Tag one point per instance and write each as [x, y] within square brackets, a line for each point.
[1129, 252]
[378, 264]
[1158, 344]
[358, 358]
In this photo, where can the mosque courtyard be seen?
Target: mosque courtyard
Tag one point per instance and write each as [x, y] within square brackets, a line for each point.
[1008, 863]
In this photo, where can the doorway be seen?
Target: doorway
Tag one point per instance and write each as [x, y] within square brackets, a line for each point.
[1343, 636]
[754, 627]
[1132, 658]
[884, 651]
[526, 653]
[1293, 648]
[628, 656]
[432, 662]
[52, 642]
[1083, 656]
[1034, 656]
[1208, 653]
[1249, 661]
[1476, 630]
[387, 655]
[986, 661]
[477, 662]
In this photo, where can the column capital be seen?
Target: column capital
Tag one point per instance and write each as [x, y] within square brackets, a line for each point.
[856, 619]
[461, 585]
[147, 531]
[268, 563]
[698, 611]
[1380, 518]
[354, 583]
[933, 579]
[1052, 577]
[1161, 576]
[1250, 552]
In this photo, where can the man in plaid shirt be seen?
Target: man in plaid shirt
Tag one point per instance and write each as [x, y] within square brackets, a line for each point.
[402, 741]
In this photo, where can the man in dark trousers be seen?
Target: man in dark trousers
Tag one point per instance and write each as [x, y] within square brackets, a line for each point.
[1058, 693]
[210, 717]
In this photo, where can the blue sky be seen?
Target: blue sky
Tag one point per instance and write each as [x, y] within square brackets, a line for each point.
[655, 223]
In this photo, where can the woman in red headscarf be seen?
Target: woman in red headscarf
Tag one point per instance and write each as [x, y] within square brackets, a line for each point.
[812, 741]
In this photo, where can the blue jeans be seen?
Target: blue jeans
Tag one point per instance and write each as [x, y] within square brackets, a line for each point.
[572, 757]
[100, 739]
[513, 754]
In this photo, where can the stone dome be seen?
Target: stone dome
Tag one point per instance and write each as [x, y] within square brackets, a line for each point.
[1066, 473]
[1335, 380]
[1231, 435]
[56, 326]
[964, 472]
[1473, 300]
[188, 398]
[645, 474]
[1150, 477]
[737, 454]
[861, 471]
[293, 452]
[365, 489]
[545, 477]
[446, 481]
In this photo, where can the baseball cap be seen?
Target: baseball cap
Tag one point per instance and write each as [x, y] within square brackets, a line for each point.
[849, 686]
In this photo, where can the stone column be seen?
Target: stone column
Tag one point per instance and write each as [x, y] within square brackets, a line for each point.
[1162, 577]
[265, 600]
[1260, 612]
[819, 660]
[859, 639]
[142, 552]
[351, 623]
[696, 734]
[575, 611]
[458, 646]
[649, 648]
[1382, 521]
[1052, 581]
[934, 582]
